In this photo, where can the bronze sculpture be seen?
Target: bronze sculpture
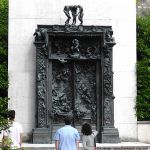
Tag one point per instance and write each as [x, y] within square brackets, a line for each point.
[76, 10]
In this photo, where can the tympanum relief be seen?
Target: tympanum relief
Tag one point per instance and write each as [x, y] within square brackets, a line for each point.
[83, 48]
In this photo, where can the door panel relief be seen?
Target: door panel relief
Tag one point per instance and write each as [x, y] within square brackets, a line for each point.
[62, 97]
[85, 98]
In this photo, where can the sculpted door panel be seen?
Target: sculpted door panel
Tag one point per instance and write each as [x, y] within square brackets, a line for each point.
[74, 91]
[62, 96]
[85, 91]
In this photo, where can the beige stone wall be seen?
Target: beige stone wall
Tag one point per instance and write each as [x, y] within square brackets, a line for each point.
[143, 131]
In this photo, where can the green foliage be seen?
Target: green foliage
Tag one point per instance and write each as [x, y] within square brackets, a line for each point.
[143, 68]
[3, 77]
[3, 63]
[3, 113]
[3, 19]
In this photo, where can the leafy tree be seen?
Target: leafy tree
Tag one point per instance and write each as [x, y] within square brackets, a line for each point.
[3, 63]
[143, 68]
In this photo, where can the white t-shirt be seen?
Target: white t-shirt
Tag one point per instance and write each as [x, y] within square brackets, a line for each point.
[14, 134]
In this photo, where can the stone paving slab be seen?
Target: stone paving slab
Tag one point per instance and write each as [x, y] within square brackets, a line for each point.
[100, 146]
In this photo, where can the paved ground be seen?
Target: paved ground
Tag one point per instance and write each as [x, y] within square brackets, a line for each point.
[100, 146]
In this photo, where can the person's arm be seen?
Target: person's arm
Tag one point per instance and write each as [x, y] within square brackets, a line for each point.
[56, 144]
[94, 132]
[57, 140]
[77, 138]
[77, 145]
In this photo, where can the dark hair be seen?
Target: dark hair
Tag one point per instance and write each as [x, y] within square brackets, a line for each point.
[86, 129]
[68, 120]
[11, 114]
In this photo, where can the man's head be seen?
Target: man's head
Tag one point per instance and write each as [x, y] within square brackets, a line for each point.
[11, 115]
[68, 120]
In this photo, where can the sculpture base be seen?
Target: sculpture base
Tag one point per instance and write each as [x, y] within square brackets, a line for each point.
[110, 135]
[41, 136]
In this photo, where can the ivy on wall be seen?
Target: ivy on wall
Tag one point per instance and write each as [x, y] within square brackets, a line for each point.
[3, 62]
[143, 68]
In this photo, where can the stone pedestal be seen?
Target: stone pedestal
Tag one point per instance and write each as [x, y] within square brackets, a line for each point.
[110, 135]
[41, 136]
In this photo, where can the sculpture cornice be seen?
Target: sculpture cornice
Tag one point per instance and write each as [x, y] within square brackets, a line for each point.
[71, 28]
